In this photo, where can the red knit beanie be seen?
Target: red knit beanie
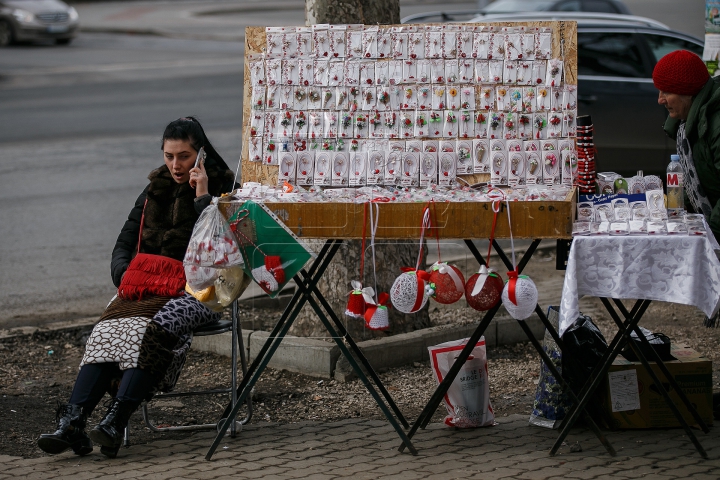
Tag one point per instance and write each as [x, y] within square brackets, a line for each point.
[680, 72]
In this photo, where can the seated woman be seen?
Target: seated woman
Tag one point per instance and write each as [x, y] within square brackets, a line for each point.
[139, 346]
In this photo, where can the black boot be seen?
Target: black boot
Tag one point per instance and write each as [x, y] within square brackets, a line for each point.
[110, 431]
[70, 432]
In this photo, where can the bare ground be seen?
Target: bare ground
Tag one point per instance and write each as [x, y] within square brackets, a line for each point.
[38, 371]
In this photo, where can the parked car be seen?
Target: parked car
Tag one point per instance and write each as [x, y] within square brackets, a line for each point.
[33, 20]
[514, 6]
[616, 57]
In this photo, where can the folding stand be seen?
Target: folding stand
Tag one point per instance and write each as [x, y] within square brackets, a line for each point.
[307, 291]
[622, 337]
[432, 405]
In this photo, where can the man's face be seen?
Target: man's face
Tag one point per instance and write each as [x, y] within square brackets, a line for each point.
[678, 106]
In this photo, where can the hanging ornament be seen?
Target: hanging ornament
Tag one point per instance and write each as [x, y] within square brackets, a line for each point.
[519, 296]
[483, 289]
[376, 315]
[408, 293]
[446, 284]
[271, 275]
[358, 300]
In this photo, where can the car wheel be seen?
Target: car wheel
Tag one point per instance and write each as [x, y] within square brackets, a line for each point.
[63, 41]
[6, 35]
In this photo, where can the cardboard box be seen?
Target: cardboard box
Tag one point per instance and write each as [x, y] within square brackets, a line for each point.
[691, 371]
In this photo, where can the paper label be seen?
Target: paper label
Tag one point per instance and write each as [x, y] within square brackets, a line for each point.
[624, 393]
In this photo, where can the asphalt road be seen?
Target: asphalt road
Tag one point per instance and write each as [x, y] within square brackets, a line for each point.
[80, 130]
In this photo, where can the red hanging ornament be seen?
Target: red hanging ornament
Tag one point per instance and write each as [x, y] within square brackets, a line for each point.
[483, 289]
[446, 283]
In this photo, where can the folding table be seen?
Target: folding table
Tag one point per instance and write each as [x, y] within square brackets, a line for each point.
[337, 221]
[676, 269]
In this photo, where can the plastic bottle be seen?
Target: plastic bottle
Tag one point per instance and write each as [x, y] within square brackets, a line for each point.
[674, 182]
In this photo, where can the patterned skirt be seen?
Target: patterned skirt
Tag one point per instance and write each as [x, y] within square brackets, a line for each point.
[153, 334]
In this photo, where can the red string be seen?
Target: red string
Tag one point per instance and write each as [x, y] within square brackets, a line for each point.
[241, 215]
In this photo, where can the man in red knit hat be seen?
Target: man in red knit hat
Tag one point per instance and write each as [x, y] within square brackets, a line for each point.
[692, 99]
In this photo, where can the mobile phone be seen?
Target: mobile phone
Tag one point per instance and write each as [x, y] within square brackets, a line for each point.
[200, 157]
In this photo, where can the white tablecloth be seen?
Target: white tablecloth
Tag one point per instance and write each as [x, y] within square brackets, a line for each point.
[677, 269]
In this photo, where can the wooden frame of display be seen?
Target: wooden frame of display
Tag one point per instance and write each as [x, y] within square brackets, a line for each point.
[532, 219]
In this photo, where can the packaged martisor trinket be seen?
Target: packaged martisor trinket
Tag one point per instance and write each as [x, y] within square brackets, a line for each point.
[694, 218]
[655, 200]
[637, 227]
[619, 202]
[640, 213]
[604, 212]
[676, 227]
[695, 229]
[580, 228]
[619, 228]
[623, 214]
[652, 182]
[585, 212]
[656, 227]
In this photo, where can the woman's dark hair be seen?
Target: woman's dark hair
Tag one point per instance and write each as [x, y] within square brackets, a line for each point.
[188, 129]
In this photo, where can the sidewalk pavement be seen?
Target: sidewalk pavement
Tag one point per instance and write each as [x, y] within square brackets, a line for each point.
[367, 449]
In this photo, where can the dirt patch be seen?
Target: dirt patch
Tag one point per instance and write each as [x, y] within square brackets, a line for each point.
[38, 371]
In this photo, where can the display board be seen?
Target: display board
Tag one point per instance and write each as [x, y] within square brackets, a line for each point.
[410, 105]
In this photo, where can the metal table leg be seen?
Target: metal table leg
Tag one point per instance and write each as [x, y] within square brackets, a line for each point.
[437, 396]
[307, 288]
[361, 356]
[600, 371]
[549, 327]
[281, 328]
[657, 381]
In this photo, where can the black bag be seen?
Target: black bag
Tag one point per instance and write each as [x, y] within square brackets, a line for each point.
[658, 341]
[583, 348]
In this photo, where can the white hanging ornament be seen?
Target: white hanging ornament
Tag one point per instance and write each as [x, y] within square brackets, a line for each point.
[376, 315]
[408, 293]
[519, 296]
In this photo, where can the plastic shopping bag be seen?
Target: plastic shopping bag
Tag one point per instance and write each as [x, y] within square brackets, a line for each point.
[230, 284]
[551, 401]
[212, 246]
[468, 398]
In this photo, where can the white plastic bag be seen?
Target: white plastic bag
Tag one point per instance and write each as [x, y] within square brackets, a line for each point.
[468, 398]
[212, 244]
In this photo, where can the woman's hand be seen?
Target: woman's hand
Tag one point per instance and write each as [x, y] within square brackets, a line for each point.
[199, 179]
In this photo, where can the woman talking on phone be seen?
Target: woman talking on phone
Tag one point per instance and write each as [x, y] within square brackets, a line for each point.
[139, 346]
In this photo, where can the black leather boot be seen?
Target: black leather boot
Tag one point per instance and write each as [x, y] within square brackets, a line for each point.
[70, 432]
[110, 431]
